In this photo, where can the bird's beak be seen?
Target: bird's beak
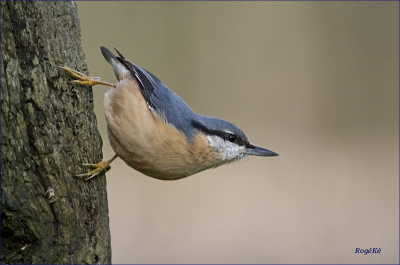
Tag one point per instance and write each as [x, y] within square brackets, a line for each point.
[258, 151]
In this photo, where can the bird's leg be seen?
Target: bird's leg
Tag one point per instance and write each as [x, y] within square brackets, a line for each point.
[83, 79]
[97, 168]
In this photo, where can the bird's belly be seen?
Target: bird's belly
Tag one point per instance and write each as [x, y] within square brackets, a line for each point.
[146, 142]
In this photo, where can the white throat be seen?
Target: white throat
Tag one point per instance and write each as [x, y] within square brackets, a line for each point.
[228, 151]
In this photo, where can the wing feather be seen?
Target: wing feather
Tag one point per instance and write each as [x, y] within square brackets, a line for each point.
[158, 97]
[148, 82]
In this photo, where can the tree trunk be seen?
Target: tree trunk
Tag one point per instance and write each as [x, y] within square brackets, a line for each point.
[48, 128]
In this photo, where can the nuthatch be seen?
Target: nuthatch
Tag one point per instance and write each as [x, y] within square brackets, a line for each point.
[155, 132]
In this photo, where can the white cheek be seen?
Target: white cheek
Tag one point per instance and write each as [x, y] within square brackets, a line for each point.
[228, 151]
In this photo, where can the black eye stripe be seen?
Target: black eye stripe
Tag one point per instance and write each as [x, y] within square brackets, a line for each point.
[224, 135]
[231, 137]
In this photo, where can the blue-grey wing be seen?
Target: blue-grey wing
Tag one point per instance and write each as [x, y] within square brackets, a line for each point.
[161, 99]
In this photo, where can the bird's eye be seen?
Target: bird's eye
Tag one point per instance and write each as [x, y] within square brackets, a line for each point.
[231, 137]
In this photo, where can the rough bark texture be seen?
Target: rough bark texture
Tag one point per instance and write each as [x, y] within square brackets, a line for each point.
[48, 128]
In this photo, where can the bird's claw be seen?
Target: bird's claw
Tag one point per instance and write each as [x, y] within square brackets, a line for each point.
[97, 169]
[84, 79]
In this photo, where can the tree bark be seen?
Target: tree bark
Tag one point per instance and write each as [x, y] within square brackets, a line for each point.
[48, 128]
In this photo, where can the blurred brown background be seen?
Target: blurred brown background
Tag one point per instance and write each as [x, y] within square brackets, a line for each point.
[316, 82]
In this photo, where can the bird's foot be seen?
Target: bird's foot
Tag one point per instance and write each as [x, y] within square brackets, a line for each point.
[84, 79]
[97, 168]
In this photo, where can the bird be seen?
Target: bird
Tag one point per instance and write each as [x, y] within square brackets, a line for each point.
[155, 132]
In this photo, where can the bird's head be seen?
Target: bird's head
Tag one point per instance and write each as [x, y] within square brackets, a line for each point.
[227, 140]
